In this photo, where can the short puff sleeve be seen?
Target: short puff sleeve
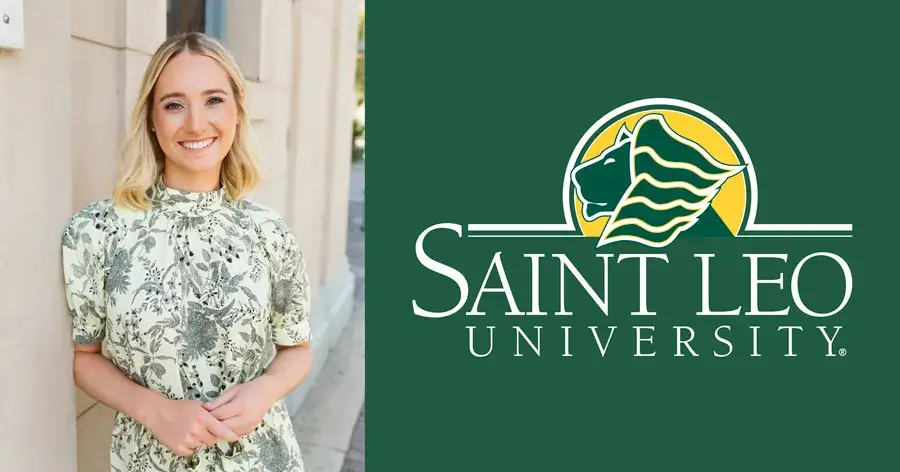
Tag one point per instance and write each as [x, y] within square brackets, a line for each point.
[289, 293]
[83, 260]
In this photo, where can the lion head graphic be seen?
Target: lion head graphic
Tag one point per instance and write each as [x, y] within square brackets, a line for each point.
[652, 183]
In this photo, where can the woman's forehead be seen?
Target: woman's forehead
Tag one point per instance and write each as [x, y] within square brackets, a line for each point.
[192, 74]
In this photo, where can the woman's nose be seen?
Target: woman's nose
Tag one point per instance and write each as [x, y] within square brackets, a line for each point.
[196, 122]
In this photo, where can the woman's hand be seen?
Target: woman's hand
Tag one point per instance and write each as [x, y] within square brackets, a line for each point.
[242, 407]
[184, 425]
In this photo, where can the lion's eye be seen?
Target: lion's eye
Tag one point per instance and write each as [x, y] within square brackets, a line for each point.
[609, 161]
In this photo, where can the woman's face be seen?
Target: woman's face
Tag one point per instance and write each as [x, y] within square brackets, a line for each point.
[194, 117]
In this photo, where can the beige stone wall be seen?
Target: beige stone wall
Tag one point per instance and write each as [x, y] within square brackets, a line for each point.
[36, 396]
[64, 105]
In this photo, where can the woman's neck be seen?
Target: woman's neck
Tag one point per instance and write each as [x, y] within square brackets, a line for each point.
[199, 183]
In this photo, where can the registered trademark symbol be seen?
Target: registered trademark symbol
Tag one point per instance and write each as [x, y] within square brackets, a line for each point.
[842, 352]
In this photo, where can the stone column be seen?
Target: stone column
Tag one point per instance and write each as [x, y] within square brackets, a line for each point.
[311, 173]
[343, 108]
[309, 129]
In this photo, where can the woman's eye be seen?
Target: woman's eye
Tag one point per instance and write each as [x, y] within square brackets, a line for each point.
[173, 106]
[214, 101]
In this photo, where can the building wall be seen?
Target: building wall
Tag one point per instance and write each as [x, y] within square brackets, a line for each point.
[36, 397]
[59, 147]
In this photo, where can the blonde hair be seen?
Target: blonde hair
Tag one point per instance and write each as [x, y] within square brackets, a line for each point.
[142, 156]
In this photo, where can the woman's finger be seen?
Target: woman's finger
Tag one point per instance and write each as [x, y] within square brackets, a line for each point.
[237, 425]
[223, 399]
[187, 447]
[183, 451]
[206, 437]
[220, 430]
[193, 442]
[226, 411]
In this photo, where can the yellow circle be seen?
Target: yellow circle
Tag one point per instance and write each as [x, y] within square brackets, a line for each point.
[731, 201]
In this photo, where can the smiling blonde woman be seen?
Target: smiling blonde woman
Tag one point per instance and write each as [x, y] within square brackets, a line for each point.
[200, 294]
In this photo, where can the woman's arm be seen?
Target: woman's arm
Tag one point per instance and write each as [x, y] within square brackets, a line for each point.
[103, 381]
[288, 370]
[180, 425]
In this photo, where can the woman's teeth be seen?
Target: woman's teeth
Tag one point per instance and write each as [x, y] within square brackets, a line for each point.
[197, 144]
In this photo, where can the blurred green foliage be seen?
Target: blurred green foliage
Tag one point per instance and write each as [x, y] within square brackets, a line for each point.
[359, 127]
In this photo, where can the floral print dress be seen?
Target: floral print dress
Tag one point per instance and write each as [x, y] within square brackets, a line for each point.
[191, 298]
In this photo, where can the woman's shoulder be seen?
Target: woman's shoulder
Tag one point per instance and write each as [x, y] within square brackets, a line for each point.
[96, 218]
[270, 224]
[96, 212]
[87, 225]
[258, 212]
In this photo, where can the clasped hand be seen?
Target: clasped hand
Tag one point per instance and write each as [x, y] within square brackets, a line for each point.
[185, 425]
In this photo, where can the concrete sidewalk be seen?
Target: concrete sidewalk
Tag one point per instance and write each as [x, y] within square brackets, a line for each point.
[330, 423]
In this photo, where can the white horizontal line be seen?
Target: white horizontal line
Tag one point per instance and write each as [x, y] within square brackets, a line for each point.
[751, 235]
[520, 227]
[526, 236]
[800, 227]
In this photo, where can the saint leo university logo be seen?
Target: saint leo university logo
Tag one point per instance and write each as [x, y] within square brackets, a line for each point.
[649, 172]
[659, 169]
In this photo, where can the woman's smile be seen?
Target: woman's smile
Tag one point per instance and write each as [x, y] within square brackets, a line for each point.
[198, 144]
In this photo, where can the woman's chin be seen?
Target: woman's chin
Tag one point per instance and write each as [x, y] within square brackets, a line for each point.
[197, 164]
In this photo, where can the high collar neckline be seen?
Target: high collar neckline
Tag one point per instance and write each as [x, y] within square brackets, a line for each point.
[186, 202]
